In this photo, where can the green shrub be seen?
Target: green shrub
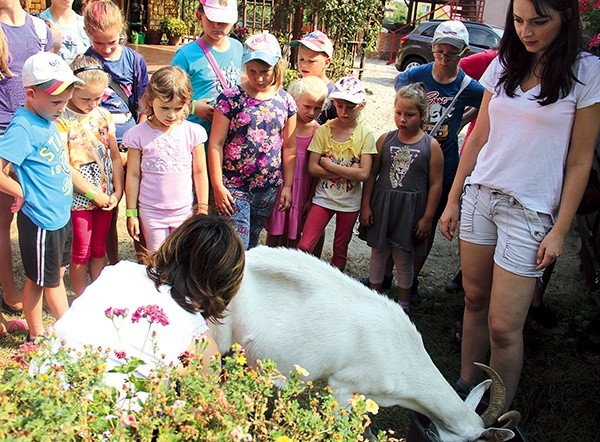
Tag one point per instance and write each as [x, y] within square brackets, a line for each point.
[47, 393]
[173, 27]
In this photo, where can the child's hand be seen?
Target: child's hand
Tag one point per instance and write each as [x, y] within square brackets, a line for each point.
[112, 202]
[17, 204]
[366, 216]
[204, 109]
[223, 200]
[285, 200]
[326, 163]
[102, 200]
[423, 229]
[133, 227]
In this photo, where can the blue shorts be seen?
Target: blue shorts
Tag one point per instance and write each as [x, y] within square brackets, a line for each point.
[491, 217]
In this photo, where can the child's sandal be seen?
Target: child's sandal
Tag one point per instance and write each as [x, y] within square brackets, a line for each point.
[14, 325]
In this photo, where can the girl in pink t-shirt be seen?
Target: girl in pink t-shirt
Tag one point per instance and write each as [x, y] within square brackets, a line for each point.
[285, 227]
[165, 161]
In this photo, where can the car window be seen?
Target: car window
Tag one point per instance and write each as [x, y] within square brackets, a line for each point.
[429, 31]
[482, 38]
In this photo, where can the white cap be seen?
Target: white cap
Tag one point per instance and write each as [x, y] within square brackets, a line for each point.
[452, 32]
[49, 72]
[220, 11]
[350, 89]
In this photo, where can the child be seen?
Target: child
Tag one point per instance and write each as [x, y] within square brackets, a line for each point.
[104, 23]
[44, 188]
[402, 192]
[284, 227]
[164, 152]
[89, 133]
[341, 158]
[217, 17]
[74, 40]
[16, 27]
[190, 280]
[315, 51]
[253, 129]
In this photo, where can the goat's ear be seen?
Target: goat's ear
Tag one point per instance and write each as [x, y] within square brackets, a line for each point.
[474, 397]
[496, 434]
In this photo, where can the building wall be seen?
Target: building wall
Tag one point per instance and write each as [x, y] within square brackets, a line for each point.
[160, 9]
[495, 12]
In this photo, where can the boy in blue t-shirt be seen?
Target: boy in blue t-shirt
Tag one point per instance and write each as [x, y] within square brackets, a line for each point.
[443, 80]
[43, 192]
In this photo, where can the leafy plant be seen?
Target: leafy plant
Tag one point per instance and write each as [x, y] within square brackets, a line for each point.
[173, 27]
[50, 392]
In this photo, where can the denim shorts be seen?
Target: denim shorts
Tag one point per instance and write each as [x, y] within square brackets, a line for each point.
[491, 217]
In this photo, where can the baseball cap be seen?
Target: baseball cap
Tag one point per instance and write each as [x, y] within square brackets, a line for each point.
[49, 72]
[263, 46]
[350, 89]
[220, 11]
[452, 32]
[315, 41]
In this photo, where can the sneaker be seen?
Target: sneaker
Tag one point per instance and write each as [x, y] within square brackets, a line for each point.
[386, 285]
[415, 296]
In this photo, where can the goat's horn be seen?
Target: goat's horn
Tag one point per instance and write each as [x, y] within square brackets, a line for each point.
[511, 417]
[497, 396]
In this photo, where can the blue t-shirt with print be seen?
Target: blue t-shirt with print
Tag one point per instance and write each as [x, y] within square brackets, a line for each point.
[439, 98]
[34, 147]
[205, 82]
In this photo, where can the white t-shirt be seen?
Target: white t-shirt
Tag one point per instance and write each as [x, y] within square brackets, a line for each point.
[126, 285]
[528, 143]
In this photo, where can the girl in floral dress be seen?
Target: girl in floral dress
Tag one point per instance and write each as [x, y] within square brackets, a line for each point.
[252, 146]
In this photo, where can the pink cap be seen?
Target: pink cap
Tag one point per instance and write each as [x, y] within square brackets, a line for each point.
[220, 11]
[315, 41]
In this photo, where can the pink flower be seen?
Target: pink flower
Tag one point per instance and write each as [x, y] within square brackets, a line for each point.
[152, 313]
[111, 312]
[120, 354]
[128, 420]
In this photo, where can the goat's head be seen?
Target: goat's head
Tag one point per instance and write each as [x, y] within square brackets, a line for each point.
[491, 416]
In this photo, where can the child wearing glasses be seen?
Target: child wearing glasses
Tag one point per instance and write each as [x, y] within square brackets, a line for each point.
[444, 80]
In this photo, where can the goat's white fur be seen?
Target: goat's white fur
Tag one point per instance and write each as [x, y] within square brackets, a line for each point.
[295, 309]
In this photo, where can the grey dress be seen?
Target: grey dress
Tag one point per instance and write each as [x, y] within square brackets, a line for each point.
[400, 195]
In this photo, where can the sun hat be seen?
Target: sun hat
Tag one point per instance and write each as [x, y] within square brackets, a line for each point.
[452, 32]
[264, 47]
[315, 41]
[48, 72]
[220, 11]
[350, 89]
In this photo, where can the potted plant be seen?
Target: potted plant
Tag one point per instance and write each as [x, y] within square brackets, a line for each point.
[174, 28]
[153, 36]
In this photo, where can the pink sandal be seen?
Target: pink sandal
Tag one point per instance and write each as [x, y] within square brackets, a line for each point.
[13, 326]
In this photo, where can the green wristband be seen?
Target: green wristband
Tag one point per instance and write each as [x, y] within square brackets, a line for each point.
[131, 213]
[91, 194]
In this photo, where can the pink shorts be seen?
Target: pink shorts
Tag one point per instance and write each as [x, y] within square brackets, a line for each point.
[90, 230]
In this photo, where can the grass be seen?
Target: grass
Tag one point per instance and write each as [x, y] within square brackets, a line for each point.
[559, 393]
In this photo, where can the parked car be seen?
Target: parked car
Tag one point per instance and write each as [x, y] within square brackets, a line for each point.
[415, 47]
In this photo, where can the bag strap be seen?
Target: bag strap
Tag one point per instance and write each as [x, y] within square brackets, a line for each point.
[213, 62]
[41, 30]
[465, 82]
[122, 95]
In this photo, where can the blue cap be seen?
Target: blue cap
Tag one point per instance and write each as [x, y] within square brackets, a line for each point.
[264, 47]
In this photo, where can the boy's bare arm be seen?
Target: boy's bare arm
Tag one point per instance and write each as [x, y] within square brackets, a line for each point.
[7, 184]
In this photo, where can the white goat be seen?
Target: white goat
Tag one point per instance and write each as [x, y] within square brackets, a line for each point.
[295, 309]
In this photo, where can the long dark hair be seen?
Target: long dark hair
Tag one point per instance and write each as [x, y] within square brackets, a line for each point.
[558, 61]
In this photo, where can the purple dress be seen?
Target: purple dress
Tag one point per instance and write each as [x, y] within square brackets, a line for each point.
[292, 220]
